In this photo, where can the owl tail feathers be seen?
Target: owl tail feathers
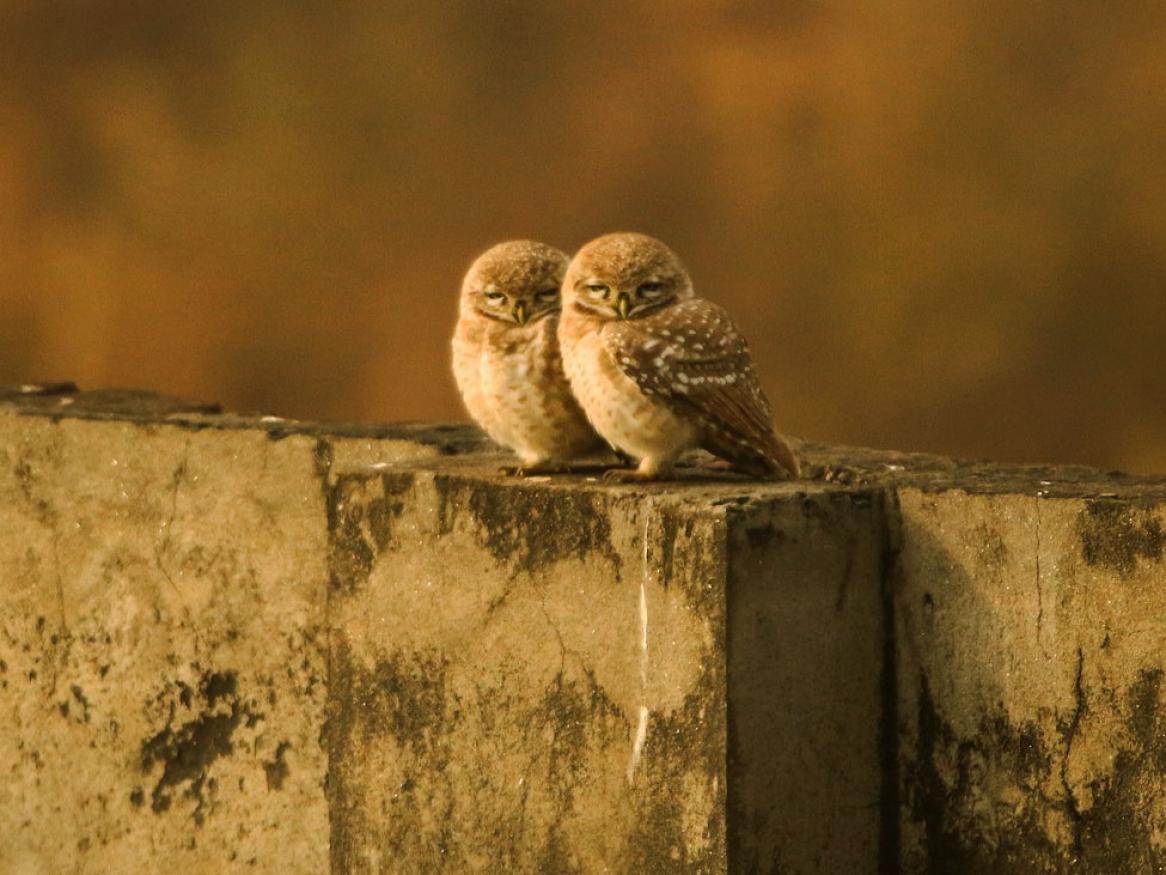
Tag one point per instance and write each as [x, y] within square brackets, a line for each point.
[780, 459]
[768, 458]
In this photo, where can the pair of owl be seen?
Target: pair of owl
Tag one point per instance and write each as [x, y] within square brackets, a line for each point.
[555, 356]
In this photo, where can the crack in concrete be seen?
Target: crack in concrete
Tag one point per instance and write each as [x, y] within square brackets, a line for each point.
[847, 573]
[1069, 733]
[553, 751]
[1040, 604]
[161, 547]
[538, 752]
[564, 650]
[66, 639]
[60, 578]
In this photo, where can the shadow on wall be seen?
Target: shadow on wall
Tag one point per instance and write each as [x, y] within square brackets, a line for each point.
[942, 228]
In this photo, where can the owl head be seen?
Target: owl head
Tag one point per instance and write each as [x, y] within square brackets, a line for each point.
[624, 276]
[514, 282]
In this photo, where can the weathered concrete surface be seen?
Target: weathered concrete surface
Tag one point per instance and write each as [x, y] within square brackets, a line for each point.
[495, 648]
[163, 646]
[1031, 647]
[233, 643]
[162, 661]
[805, 643]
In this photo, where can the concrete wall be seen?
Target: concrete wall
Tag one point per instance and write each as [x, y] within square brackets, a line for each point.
[1031, 646]
[245, 644]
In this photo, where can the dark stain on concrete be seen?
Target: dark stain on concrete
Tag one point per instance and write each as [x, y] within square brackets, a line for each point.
[990, 546]
[187, 751]
[1068, 727]
[79, 698]
[890, 827]
[406, 702]
[323, 455]
[361, 509]
[277, 770]
[352, 553]
[578, 715]
[686, 552]
[760, 537]
[671, 526]
[26, 478]
[527, 524]
[687, 741]
[384, 511]
[958, 838]
[1116, 534]
[403, 696]
[950, 778]
[1117, 833]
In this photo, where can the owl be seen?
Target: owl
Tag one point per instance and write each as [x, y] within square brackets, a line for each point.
[657, 370]
[506, 356]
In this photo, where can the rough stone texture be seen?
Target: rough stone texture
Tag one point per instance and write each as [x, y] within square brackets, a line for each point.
[1031, 649]
[240, 643]
[162, 649]
[494, 647]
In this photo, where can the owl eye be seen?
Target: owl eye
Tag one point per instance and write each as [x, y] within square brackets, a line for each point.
[650, 289]
[547, 296]
[597, 290]
[495, 298]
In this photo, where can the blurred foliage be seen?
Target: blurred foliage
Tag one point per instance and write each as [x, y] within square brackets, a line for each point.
[943, 226]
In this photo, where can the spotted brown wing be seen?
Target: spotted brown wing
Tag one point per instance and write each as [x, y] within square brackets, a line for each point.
[692, 357]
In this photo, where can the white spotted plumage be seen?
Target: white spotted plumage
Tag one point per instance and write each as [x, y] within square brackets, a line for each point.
[661, 373]
[625, 416]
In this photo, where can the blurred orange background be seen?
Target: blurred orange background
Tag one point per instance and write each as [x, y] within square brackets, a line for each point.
[943, 226]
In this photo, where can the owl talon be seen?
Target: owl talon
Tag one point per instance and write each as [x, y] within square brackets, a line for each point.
[636, 475]
[626, 475]
[840, 474]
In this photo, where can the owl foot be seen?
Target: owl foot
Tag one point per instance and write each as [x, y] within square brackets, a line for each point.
[627, 475]
[645, 472]
[841, 474]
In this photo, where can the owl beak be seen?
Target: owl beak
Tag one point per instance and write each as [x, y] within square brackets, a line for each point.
[622, 304]
[520, 312]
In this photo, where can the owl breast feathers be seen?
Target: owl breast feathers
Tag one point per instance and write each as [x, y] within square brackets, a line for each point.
[506, 355]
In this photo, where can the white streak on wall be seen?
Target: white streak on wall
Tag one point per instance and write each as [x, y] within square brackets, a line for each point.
[642, 724]
[638, 744]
